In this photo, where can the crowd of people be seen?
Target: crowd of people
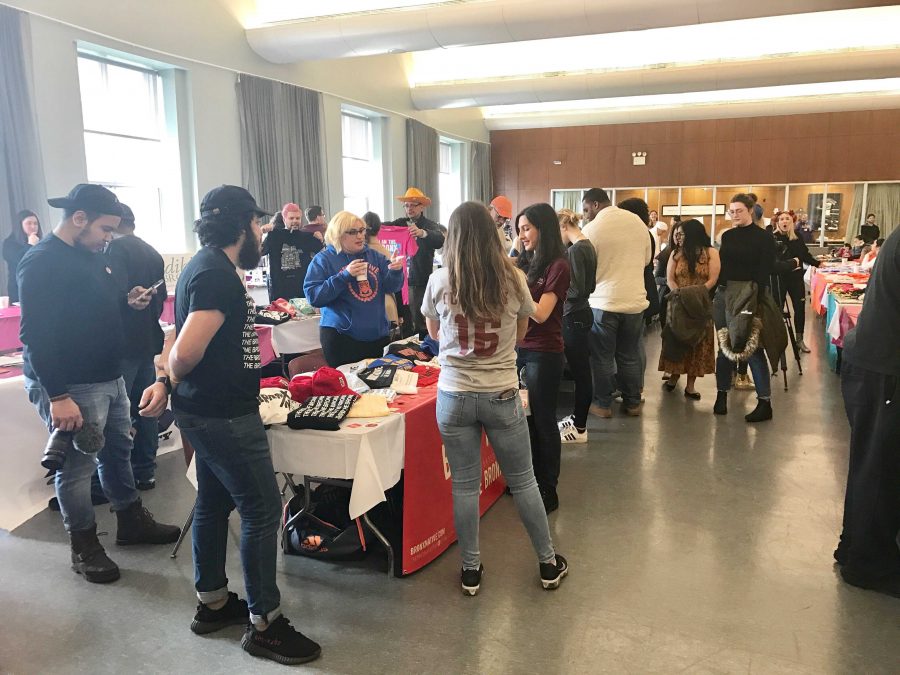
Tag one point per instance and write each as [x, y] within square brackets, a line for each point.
[515, 300]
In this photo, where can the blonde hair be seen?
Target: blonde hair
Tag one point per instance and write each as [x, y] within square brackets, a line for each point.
[482, 276]
[340, 223]
[569, 218]
[791, 234]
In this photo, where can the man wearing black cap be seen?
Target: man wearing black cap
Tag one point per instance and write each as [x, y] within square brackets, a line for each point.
[214, 366]
[73, 337]
[134, 262]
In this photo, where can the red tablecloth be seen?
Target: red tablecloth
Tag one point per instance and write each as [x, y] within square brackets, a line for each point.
[819, 282]
[9, 329]
[849, 314]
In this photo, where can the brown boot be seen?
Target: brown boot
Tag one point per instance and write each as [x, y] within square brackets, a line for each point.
[89, 559]
[137, 526]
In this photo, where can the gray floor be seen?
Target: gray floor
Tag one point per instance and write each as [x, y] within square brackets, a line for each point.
[697, 544]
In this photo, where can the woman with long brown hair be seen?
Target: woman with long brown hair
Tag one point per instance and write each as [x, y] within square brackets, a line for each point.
[477, 306]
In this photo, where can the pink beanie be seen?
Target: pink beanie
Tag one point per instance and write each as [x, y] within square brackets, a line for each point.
[289, 207]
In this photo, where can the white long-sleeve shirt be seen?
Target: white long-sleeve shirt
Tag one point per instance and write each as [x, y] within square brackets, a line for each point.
[623, 251]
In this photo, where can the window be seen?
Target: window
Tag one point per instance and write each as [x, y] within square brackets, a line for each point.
[128, 147]
[363, 175]
[449, 178]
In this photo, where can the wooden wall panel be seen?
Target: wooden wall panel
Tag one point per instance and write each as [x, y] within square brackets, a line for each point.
[818, 148]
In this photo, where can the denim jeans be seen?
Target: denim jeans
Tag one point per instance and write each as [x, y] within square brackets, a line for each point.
[140, 373]
[106, 405]
[577, 337]
[759, 368]
[543, 373]
[615, 357]
[234, 469]
[461, 417]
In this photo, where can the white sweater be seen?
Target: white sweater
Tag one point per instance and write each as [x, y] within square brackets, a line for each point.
[623, 251]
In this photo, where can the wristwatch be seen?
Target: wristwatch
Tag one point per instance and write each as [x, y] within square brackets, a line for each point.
[164, 379]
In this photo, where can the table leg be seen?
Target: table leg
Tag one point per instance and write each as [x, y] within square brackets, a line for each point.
[384, 542]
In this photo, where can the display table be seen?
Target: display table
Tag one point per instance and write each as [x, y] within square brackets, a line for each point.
[9, 329]
[296, 336]
[374, 453]
[821, 280]
[23, 489]
[842, 321]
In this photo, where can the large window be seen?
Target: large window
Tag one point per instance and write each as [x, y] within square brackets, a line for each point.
[449, 178]
[362, 166]
[128, 147]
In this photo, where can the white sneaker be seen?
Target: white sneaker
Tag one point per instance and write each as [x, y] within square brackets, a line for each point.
[572, 435]
[566, 423]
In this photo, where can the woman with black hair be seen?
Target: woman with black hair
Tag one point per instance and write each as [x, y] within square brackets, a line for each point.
[694, 263]
[26, 233]
[540, 361]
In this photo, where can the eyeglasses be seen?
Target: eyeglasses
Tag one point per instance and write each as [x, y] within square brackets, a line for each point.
[355, 232]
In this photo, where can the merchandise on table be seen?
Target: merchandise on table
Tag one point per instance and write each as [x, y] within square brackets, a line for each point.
[370, 405]
[273, 382]
[409, 350]
[325, 381]
[324, 413]
[271, 317]
[275, 404]
[392, 360]
[379, 377]
[428, 375]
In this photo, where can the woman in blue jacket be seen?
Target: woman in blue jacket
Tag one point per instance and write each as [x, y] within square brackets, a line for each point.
[349, 280]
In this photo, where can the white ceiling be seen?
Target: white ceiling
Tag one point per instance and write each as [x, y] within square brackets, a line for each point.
[525, 62]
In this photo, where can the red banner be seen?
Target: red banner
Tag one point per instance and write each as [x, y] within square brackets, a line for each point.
[427, 498]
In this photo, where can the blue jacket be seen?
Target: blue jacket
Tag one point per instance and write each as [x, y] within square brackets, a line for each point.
[349, 309]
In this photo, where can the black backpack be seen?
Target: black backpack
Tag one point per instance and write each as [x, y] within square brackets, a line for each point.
[326, 531]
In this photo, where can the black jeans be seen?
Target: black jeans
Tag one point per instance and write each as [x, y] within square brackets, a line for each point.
[872, 503]
[792, 284]
[576, 330]
[543, 373]
[340, 349]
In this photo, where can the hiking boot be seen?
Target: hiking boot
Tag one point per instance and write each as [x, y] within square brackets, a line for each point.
[233, 613]
[471, 580]
[721, 406]
[761, 413]
[89, 559]
[605, 413]
[552, 573]
[280, 642]
[137, 526]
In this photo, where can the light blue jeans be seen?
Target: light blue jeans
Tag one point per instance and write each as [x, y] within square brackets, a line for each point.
[106, 405]
[461, 417]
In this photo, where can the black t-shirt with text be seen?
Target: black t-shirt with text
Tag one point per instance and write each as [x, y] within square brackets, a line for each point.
[290, 253]
[225, 383]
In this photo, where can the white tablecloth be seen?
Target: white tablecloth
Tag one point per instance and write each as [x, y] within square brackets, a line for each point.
[23, 488]
[367, 450]
[296, 337]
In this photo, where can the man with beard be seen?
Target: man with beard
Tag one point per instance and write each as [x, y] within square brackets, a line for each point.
[214, 369]
[74, 344]
[290, 251]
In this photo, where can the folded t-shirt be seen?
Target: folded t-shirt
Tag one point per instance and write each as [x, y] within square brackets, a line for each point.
[379, 377]
[409, 350]
[321, 412]
[369, 405]
[392, 360]
[275, 404]
[427, 374]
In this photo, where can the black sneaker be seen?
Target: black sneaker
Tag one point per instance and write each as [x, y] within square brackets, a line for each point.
[233, 613]
[281, 643]
[550, 499]
[144, 485]
[471, 580]
[552, 575]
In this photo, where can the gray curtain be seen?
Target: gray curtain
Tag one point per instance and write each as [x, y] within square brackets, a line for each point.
[423, 164]
[21, 169]
[480, 187]
[882, 199]
[281, 143]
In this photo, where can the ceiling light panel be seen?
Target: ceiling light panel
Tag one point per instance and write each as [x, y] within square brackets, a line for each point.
[274, 11]
[868, 28]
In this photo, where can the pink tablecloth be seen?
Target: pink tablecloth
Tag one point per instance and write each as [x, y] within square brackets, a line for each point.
[9, 329]
[168, 312]
[847, 318]
[266, 350]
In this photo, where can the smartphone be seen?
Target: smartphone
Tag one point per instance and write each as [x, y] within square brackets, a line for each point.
[154, 287]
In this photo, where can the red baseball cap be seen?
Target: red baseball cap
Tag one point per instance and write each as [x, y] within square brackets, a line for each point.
[324, 382]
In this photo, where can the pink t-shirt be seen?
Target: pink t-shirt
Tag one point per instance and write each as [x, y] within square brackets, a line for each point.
[398, 241]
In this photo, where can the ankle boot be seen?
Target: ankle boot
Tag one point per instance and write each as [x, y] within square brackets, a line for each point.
[721, 406]
[137, 526]
[761, 413]
[89, 559]
[801, 345]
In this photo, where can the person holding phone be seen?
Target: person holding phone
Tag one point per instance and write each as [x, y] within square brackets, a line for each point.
[349, 280]
[477, 305]
[134, 262]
